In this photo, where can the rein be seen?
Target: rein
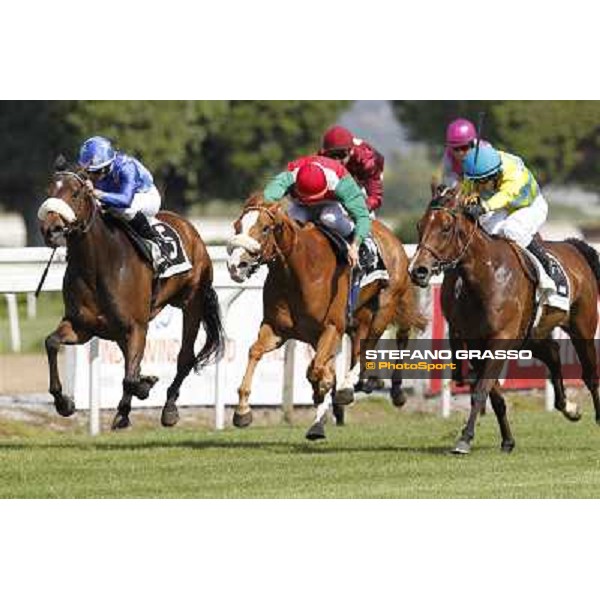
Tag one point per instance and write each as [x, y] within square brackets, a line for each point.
[445, 264]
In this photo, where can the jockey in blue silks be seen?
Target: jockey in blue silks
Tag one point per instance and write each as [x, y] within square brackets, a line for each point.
[123, 184]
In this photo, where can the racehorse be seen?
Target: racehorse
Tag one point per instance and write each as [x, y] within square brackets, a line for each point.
[488, 299]
[305, 297]
[109, 291]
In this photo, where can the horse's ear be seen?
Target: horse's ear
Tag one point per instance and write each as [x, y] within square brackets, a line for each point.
[61, 163]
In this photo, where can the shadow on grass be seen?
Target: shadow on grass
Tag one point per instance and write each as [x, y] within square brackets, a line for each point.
[282, 447]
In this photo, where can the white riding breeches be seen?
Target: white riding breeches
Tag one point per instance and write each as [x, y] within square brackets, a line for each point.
[519, 226]
[331, 214]
[148, 203]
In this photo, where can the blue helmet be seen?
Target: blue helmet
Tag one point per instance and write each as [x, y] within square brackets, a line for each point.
[481, 162]
[96, 153]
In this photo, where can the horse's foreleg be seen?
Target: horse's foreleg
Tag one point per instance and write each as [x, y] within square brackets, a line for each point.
[63, 334]
[397, 393]
[487, 375]
[266, 342]
[321, 374]
[133, 352]
[499, 406]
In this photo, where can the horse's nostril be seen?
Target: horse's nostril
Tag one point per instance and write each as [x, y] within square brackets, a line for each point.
[243, 264]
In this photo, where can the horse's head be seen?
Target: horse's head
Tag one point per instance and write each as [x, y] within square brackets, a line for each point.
[67, 207]
[445, 234]
[254, 240]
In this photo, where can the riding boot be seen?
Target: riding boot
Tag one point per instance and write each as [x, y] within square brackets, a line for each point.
[140, 225]
[367, 255]
[537, 249]
[353, 296]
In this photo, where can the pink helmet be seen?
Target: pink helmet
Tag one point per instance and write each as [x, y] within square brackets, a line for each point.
[460, 133]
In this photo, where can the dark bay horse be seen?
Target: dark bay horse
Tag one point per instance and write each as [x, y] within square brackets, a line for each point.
[305, 297]
[109, 291]
[489, 302]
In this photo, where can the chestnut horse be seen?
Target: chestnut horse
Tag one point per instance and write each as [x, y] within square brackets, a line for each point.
[489, 302]
[109, 291]
[305, 297]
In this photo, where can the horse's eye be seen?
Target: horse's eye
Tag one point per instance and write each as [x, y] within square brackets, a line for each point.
[266, 229]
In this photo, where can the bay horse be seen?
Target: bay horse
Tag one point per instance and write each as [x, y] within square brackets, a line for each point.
[109, 291]
[305, 297]
[488, 299]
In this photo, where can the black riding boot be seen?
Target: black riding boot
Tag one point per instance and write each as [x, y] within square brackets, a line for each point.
[537, 249]
[141, 225]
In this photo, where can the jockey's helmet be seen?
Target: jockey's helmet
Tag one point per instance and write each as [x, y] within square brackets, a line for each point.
[311, 183]
[481, 163]
[96, 153]
[460, 133]
[337, 138]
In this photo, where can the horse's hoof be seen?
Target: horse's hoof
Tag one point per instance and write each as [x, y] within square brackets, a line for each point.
[339, 415]
[344, 397]
[65, 407]
[507, 446]
[398, 396]
[169, 416]
[359, 386]
[572, 416]
[316, 432]
[120, 422]
[462, 447]
[242, 420]
[145, 384]
[368, 386]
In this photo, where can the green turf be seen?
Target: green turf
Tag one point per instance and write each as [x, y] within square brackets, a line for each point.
[33, 331]
[402, 456]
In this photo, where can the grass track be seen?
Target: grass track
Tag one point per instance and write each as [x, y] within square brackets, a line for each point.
[399, 455]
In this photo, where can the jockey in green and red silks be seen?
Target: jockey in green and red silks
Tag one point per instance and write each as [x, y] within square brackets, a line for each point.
[323, 190]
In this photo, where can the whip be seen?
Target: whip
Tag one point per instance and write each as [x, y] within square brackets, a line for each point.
[44, 274]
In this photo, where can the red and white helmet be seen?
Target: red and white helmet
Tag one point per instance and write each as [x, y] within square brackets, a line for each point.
[460, 133]
[311, 183]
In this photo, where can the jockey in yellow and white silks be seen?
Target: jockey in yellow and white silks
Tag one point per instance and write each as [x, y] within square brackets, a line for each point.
[510, 202]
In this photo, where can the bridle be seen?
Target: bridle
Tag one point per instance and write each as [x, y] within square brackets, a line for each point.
[79, 227]
[276, 252]
[444, 264]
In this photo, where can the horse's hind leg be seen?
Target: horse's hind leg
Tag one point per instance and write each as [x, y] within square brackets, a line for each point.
[586, 352]
[266, 342]
[547, 350]
[133, 352]
[321, 374]
[352, 382]
[186, 359]
[64, 334]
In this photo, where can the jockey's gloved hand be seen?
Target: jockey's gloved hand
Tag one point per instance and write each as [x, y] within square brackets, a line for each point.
[474, 211]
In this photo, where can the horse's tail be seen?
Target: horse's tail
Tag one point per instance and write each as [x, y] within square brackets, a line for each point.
[215, 336]
[590, 255]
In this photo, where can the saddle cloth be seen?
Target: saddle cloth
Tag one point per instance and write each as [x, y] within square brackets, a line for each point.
[177, 254]
[370, 261]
